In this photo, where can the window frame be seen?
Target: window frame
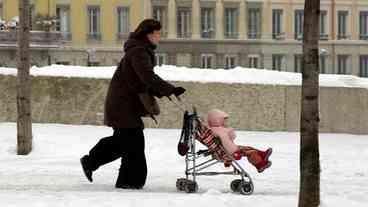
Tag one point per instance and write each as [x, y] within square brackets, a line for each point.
[231, 30]
[208, 30]
[277, 23]
[298, 24]
[184, 22]
[94, 35]
[205, 62]
[121, 34]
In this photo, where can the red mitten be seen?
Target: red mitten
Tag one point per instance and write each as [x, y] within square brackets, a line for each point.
[237, 155]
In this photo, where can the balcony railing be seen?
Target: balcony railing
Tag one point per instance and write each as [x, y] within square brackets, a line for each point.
[323, 36]
[37, 38]
[278, 36]
[343, 36]
[208, 34]
[184, 35]
[231, 35]
[66, 36]
[364, 36]
[299, 36]
[94, 36]
[254, 35]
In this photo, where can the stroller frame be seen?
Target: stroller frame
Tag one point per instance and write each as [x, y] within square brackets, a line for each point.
[194, 169]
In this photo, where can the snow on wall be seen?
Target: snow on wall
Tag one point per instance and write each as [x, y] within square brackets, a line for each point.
[173, 73]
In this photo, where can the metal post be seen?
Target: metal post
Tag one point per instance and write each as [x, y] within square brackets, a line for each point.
[193, 151]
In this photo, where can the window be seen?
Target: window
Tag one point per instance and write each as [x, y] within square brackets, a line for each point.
[253, 61]
[231, 22]
[323, 64]
[298, 63]
[92, 63]
[364, 25]
[276, 23]
[342, 64]
[207, 23]
[184, 59]
[363, 66]
[230, 61]
[299, 21]
[184, 22]
[160, 14]
[62, 63]
[63, 23]
[207, 60]
[342, 24]
[161, 59]
[323, 25]
[254, 23]
[94, 23]
[277, 62]
[123, 21]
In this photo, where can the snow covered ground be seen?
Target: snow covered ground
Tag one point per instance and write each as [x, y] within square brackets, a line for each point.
[51, 175]
[173, 73]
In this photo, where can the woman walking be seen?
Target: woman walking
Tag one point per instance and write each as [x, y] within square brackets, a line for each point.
[129, 98]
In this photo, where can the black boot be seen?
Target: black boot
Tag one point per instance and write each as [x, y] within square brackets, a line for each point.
[86, 169]
[125, 183]
[126, 186]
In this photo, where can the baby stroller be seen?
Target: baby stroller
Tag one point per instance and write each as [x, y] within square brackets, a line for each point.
[195, 130]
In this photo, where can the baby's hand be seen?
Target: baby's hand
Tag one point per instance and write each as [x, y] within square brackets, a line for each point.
[232, 134]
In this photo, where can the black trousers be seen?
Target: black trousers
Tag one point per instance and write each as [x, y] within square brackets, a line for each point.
[127, 144]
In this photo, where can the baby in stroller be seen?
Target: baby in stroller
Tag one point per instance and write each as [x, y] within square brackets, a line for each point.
[217, 122]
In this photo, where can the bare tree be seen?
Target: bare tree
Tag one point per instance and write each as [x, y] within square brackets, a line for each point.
[309, 193]
[24, 121]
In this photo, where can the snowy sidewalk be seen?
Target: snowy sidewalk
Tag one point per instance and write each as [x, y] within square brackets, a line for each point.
[52, 176]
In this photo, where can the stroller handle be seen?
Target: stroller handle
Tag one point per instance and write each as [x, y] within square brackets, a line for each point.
[181, 107]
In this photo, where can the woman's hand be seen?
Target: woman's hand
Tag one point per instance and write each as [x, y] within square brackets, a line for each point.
[178, 91]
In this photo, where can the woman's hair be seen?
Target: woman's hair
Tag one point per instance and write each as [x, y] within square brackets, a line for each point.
[147, 26]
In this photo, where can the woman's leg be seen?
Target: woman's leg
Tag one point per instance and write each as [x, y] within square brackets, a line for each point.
[105, 151]
[133, 169]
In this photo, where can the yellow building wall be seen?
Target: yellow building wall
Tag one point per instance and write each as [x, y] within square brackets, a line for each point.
[10, 9]
[108, 12]
[45, 7]
[79, 17]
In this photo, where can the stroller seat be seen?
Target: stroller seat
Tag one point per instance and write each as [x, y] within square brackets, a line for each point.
[205, 136]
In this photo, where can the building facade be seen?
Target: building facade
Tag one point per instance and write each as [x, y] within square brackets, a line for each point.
[210, 33]
[92, 31]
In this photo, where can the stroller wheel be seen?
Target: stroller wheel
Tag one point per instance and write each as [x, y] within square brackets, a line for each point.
[246, 188]
[234, 185]
[180, 184]
[191, 187]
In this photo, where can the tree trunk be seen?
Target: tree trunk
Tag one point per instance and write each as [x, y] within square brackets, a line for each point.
[24, 121]
[309, 192]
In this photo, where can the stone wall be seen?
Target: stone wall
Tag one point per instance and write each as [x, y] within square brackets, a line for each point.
[251, 107]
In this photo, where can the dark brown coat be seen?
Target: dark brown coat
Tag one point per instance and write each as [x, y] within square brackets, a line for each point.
[134, 75]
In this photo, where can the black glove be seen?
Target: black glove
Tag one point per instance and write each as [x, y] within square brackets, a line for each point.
[178, 91]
